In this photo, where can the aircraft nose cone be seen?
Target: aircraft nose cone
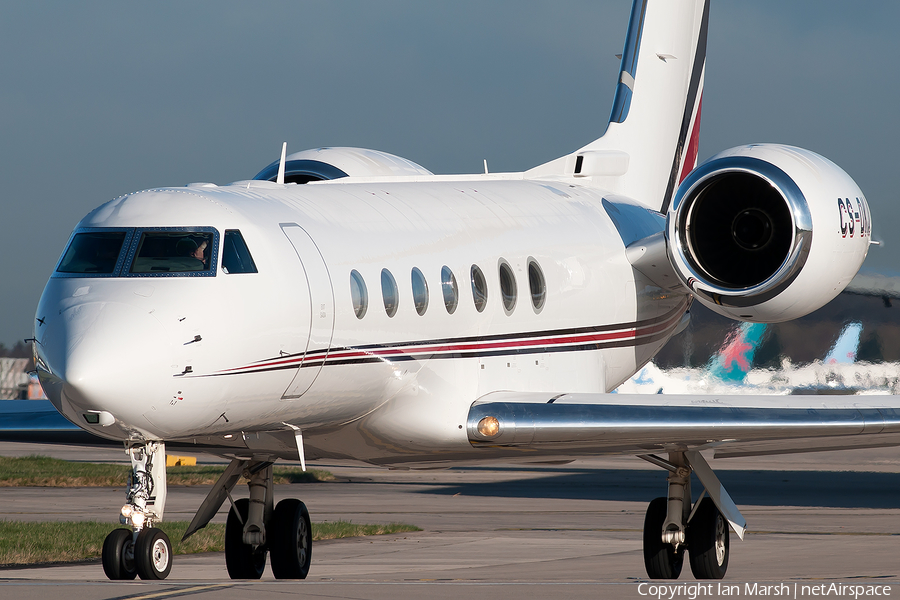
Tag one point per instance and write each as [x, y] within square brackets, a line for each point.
[105, 357]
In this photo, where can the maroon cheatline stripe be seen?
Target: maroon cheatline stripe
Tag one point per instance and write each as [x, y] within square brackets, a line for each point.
[545, 340]
[552, 341]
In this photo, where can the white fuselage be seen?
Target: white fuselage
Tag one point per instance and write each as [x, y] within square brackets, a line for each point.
[232, 356]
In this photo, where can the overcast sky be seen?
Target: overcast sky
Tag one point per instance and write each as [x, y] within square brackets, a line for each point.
[100, 99]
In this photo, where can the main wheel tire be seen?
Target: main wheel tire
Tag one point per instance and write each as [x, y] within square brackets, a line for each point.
[153, 554]
[660, 559]
[118, 555]
[241, 560]
[291, 540]
[708, 542]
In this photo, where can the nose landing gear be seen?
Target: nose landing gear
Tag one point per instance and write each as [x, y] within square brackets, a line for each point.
[142, 550]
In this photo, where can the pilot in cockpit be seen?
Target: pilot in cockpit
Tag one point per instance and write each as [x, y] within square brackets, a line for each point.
[188, 246]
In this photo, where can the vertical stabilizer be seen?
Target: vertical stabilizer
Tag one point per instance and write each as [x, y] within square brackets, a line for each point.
[652, 136]
[845, 348]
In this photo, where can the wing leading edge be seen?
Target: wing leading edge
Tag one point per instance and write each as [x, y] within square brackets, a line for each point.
[544, 423]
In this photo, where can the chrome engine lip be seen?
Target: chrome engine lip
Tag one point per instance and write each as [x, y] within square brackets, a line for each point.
[678, 224]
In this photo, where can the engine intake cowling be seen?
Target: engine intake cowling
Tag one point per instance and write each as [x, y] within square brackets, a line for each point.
[767, 232]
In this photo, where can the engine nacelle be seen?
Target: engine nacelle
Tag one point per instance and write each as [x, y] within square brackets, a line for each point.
[333, 163]
[767, 233]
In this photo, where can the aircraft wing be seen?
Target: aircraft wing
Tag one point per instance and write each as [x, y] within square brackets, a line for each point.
[534, 423]
[38, 421]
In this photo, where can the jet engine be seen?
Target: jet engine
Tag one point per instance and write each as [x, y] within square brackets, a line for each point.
[767, 233]
[333, 163]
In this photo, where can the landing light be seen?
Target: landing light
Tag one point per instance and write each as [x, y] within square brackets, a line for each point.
[137, 519]
[489, 427]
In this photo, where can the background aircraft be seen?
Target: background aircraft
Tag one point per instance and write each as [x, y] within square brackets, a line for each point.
[731, 368]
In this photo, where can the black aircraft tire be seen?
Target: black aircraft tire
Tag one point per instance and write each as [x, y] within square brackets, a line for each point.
[708, 542]
[153, 554]
[118, 555]
[241, 560]
[660, 559]
[290, 548]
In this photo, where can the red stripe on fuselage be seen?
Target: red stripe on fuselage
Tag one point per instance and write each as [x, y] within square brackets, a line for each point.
[690, 157]
[548, 341]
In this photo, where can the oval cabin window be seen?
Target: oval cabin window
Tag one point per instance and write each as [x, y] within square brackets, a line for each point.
[358, 294]
[507, 287]
[420, 291]
[479, 288]
[449, 289]
[537, 285]
[389, 293]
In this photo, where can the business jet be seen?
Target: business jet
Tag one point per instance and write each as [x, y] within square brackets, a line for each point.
[348, 303]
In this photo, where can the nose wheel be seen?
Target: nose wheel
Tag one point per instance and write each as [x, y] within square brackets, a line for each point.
[153, 554]
[118, 555]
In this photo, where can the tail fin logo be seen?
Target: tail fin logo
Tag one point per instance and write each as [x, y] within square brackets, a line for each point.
[735, 358]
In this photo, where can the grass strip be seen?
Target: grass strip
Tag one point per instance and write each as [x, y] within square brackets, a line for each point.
[43, 471]
[24, 543]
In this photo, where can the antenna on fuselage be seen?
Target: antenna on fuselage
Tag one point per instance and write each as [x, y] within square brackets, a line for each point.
[485, 167]
[280, 178]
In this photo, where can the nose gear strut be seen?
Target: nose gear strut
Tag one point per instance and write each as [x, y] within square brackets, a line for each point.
[141, 549]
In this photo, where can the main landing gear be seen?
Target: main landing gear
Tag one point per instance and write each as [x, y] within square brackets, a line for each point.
[255, 526]
[673, 528]
[141, 550]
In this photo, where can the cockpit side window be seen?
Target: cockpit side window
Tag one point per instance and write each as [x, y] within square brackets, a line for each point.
[93, 253]
[235, 254]
[175, 251]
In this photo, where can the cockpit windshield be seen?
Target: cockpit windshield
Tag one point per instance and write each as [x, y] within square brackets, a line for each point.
[93, 252]
[142, 252]
[173, 252]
